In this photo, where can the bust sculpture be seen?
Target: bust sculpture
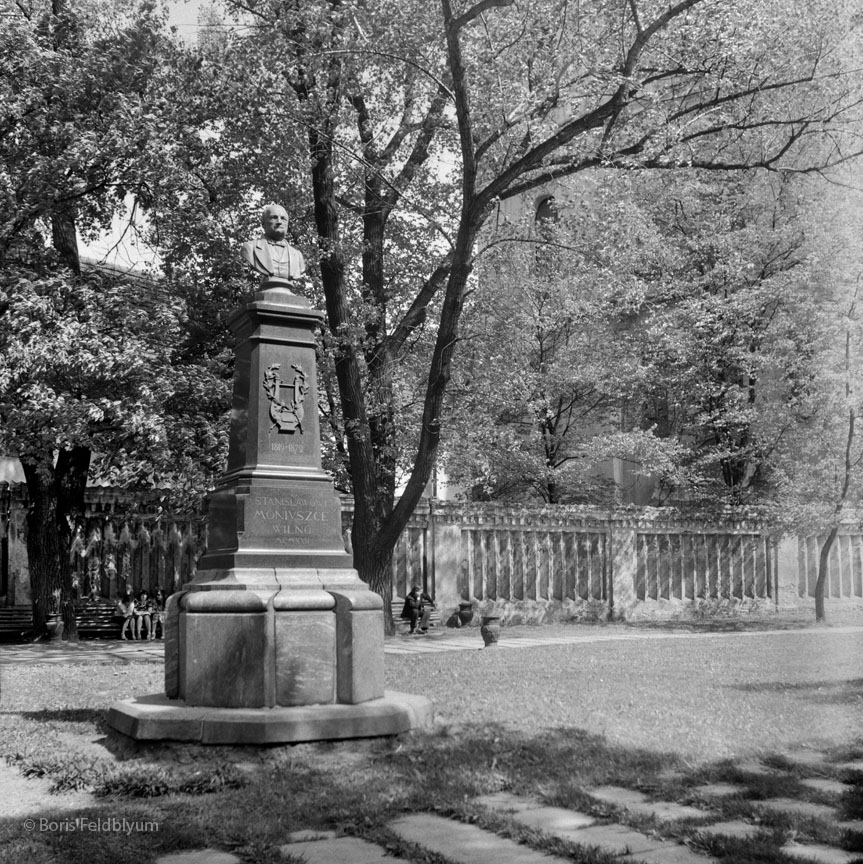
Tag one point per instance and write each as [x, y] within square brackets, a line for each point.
[271, 255]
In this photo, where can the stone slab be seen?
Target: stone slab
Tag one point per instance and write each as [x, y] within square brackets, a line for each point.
[465, 844]
[734, 828]
[755, 768]
[339, 850]
[359, 645]
[797, 808]
[618, 840]
[171, 630]
[671, 811]
[672, 853]
[620, 796]
[820, 853]
[221, 658]
[719, 790]
[305, 655]
[507, 802]
[823, 784]
[571, 825]
[157, 718]
[636, 802]
[805, 757]
[199, 856]
[555, 820]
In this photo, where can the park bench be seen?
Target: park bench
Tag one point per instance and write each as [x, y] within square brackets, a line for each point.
[95, 619]
[403, 625]
[15, 623]
[98, 619]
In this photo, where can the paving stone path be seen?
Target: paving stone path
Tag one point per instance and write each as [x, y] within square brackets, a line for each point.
[463, 843]
[436, 641]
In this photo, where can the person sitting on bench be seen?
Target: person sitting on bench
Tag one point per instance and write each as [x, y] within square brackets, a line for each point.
[157, 615]
[417, 609]
[144, 613]
[126, 608]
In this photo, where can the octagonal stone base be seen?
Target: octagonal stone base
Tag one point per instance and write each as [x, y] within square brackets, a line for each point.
[158, 718]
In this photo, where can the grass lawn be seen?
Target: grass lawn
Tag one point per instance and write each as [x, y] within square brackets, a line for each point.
[661, 715]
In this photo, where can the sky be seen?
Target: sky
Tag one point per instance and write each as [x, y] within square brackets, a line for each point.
[183, 15]
[117, 247]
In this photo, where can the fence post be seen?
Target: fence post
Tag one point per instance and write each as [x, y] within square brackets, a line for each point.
[447, 558]
[788, 575]
[623, 562]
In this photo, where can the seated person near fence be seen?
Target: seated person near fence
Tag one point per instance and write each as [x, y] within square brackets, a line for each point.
[157, 613]
[417, 609]
[126, 608]
[144, 614]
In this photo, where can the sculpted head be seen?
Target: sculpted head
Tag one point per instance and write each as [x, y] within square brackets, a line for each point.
[274, 221]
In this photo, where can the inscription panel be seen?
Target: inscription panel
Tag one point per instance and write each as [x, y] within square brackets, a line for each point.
[295, 520]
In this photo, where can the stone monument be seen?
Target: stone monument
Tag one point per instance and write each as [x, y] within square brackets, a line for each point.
[276, 639]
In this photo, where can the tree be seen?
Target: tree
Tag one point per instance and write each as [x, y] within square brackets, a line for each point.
[552, 356]
[83, 356]
[85, 370]
[726, 340]
[404, 107]
[819, 460]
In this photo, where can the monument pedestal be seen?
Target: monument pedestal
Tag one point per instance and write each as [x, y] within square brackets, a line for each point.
[157, 718]
[277, 639]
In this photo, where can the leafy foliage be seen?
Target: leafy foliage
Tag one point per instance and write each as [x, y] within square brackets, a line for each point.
[87, 365]
[673, 329]
[85, 361]
[79, 128]
[395, 130]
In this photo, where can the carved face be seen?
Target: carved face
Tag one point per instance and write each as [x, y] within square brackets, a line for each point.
[275, 222]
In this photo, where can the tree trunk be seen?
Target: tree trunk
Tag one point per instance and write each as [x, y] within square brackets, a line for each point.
[43, 549]
[375, 568]
[56, 502]
[65, 241]
[371, 506]
[821, 581]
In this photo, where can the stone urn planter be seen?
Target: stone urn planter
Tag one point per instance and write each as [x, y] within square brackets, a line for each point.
[490, 630]
[465, 613]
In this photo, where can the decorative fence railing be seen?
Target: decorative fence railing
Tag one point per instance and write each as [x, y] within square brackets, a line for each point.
[110, 556]
[844, 566]
[535, 565]
[680, 565]
[488, 553]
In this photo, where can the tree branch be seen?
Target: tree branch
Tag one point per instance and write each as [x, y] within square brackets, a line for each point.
[499, 186]
[416, 314]
[477, 10]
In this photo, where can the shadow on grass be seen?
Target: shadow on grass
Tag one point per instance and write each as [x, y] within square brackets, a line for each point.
[848, 692]
[62, 715]
[851, 804]
[358, 787]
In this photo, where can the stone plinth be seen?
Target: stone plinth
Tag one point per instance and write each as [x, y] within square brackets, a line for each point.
[157, 718]
[277, 639]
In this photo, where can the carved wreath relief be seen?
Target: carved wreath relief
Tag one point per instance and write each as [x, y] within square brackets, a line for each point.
[286, 416]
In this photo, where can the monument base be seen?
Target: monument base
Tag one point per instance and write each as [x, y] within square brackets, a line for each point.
[158, 718]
